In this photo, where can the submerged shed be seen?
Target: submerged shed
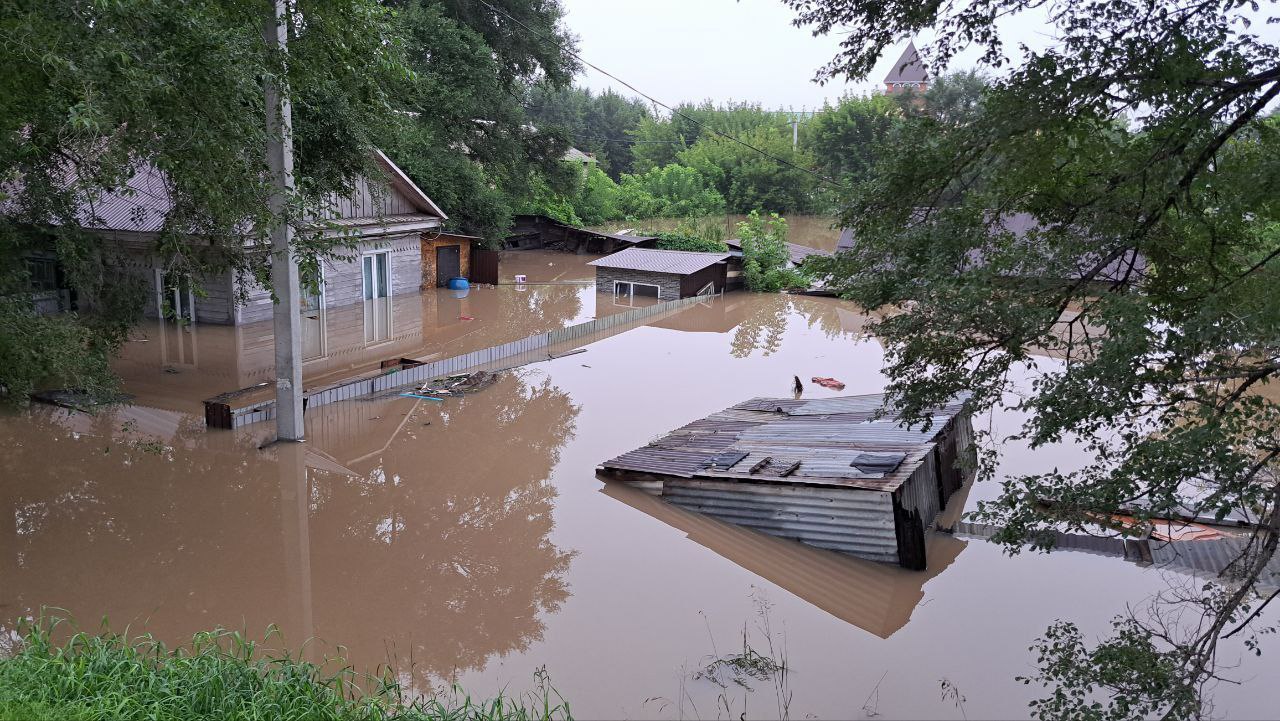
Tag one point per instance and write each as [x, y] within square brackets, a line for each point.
[825, 471]
[661, 274]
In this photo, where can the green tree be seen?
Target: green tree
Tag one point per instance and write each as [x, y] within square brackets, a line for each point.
[597, 199]
[677, 192]
[951, 98]
[764, 253]
[691, 243]
[843, 139]
[658, 141]
[1156, 239]
[464, 136]
[94, 93]
[600, 124]
[748, 179]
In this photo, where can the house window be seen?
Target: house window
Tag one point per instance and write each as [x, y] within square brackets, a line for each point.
[626, 293]
[377, 297]
[313, 317]
[377, 275]
[44, 274]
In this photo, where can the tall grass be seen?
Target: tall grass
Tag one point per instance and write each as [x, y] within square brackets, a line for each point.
[219, 675]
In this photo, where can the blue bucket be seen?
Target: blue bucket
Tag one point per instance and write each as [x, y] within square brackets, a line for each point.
[458, 284]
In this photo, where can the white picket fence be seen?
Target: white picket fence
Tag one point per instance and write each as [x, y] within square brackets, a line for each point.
[518, 352]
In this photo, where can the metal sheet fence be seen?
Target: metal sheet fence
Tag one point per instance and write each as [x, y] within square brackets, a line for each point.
[534, 347]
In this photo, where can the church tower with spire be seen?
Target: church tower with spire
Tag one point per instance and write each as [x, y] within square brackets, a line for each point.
[907, 73]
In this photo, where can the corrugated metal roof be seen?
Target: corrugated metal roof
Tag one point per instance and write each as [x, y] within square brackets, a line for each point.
[824, 436]
[1201, 558]
[678, 262]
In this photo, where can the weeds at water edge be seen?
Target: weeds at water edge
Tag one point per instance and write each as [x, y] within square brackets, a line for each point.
[219, 675]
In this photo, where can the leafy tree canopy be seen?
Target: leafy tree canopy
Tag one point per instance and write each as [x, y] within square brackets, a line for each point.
[599, 124]
[94, 93]
[1110, 202]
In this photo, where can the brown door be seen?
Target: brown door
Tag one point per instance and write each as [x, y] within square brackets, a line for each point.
[448, 264]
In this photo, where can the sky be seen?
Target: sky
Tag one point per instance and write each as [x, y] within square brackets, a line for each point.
[742, 50]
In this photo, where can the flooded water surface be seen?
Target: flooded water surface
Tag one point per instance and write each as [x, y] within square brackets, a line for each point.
[470, 540]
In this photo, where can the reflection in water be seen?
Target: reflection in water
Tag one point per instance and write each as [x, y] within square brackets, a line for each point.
[436, 550]
[762, 327]
[377, 320]
[439, 535]
[876, 597]
[338, 342]
[178, 343]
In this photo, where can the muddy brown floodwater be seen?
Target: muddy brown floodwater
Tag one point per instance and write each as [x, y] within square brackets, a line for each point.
[470, 540]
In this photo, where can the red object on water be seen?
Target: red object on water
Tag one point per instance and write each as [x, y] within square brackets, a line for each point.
[831, 383]
[465, 317]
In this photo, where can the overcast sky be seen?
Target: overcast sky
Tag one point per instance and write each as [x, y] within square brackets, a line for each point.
[678, 50]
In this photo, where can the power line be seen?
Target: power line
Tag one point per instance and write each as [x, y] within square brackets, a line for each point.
[659, 103]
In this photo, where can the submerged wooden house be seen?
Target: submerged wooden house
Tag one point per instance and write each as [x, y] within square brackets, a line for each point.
[824, 471]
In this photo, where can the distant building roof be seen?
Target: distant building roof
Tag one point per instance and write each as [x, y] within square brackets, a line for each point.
[577, 156]
[908, 69]
[1020, 225]
[678, 262]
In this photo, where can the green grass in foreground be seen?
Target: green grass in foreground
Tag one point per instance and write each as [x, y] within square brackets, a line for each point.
[219, 676]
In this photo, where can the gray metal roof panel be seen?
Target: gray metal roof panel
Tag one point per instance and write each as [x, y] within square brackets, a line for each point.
[678, 262]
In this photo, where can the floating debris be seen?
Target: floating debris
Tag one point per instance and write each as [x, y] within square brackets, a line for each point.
[459, 385]
[831, 383]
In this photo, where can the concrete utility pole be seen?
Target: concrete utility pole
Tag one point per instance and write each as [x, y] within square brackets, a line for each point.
[284, 271]
[795, 132]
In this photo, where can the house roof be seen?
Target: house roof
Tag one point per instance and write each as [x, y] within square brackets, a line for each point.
[909, 68]
[678, 262]
[575, 155]
[1020, 226]
[401, 182]
[144, 202]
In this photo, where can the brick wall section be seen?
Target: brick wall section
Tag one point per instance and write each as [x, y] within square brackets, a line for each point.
[668, 282]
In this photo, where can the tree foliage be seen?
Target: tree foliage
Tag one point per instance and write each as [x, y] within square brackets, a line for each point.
[692, 243]
[764, 253]
[599, 124]
[1137, 145]
[94, 93]
[464, 136]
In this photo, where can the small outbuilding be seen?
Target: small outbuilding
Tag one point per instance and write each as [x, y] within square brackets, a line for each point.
[838, 473]
[661, 274]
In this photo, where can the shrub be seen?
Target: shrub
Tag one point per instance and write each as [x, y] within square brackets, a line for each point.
[765, 256]
[680, 241]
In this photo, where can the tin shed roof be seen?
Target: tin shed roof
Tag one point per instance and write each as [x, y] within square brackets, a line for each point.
[678, 262]
[840, 441]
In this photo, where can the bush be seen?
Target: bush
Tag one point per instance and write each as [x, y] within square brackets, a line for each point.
[765, 256]
[680, 241]
[220, 676]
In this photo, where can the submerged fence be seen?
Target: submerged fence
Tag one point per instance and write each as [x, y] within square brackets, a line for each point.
[222, 411]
